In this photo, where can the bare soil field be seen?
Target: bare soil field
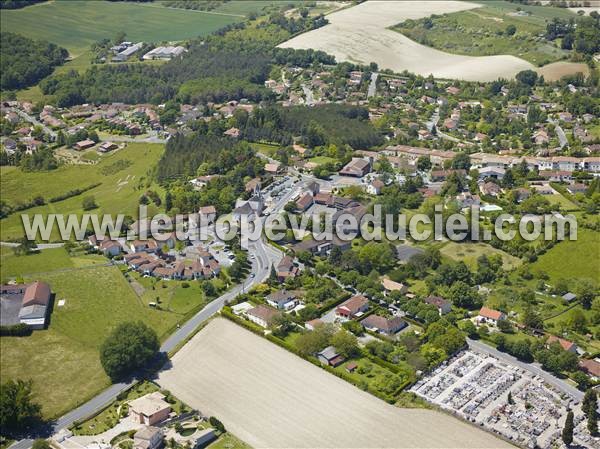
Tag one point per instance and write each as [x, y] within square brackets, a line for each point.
[556, 70]
[271, 398]
[360, 34]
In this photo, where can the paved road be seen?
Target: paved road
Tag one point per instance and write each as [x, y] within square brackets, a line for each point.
[535, 368]
[34, 121]
[265, 256]
[373, 86]
[308, 93]
[562, 138]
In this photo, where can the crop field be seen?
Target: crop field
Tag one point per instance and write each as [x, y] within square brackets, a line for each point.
[120, 175]
[361, 34]
[481, 32]
[270, 398]
[76, 24]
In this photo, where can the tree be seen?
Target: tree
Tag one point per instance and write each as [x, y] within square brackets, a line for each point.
[130, 346]
[17, 407]
[423, 163]
[25, 246]
[567, 433]
[312, 342]
[510, 30]
[218, 425]
[585, 291]
[589, 402]
[505, 326]
[461, 161]
[592, 423]
[89, 203]
[510, 398]
[345, 343]
[527, 77]
[582, 381]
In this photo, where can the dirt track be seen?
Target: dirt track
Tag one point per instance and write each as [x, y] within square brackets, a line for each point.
[271, 398]
[360, 34]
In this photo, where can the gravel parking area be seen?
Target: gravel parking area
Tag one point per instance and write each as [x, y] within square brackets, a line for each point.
[271, 398]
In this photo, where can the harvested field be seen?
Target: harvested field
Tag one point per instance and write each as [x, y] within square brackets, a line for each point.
[271, 398]
[556, 70]
[360, 34]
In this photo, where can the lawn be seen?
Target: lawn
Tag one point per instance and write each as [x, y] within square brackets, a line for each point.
[320, 160]
[63, 360]
[76, 24]
[572, 259]
[44, 261]
[469, 252]
[562, 202]
[228, 441]
[121, 175]
[480, 32]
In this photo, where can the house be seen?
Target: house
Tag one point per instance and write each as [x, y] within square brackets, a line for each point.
[569, 297]
[490, 316]
[84, 144]
[490, 189]
[208, 214]
[262, 315]
[312, 324]
[392, 286]
[466, 200]
[383, 325]
[540, 137]
[25, 304]
[450, 124]
[148, 437]
[441, 304]
[105, 147]
[148, 246]
[253, 185]
[591, 367]
[304, 202]
[491, 172]
[272, 168]
[286, 269]
[441, 175]
[241, 308]
[282, 299]
[110, 247]
[357, 167]
[351, 367]
[150, 409]
[452, 90]
[565, 344]
[330, 357]
[375, 187]
[232, 132]
[353, 307]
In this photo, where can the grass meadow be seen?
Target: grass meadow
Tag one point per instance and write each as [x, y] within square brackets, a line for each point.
[63, 360]
[469, 252]
[559, 263]
[123, 176]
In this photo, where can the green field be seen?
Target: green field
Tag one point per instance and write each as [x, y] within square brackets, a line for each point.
[63, 360]
[122, 176]
[572, 259]
[480, 32]
[469, 252]
[76, 24]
